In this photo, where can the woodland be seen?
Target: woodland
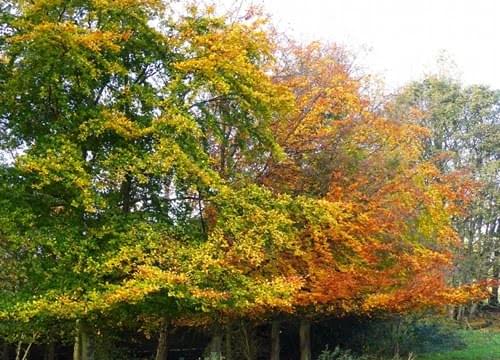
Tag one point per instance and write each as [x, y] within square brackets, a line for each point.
[177, 183]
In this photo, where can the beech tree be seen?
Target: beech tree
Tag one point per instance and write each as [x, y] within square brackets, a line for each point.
[387, 233]
[109, 123]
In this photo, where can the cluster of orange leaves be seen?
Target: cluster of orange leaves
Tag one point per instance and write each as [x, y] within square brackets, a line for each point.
[390, 248]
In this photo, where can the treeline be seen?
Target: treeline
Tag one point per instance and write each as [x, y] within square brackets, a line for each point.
[165, 170]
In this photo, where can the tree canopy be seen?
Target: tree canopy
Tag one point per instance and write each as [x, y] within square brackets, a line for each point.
[187, 167]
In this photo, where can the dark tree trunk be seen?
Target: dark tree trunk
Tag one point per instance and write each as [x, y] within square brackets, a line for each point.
[493, 301]
[5, 351]
[162, 350]
[275, 340]
[228, 351]
[50, 352]
[460, 313]
[451, 312]
[305, 340]
[126, 193]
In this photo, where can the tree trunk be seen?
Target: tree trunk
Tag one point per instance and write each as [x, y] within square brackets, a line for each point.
[396, 338]
[84, 348]
[460, 313]
[473, 310]
[126, 193]
[77, 348]
[88, 344]
[228, 353]
[50, 352]
[305, 340]
[161, 350]
[451, 312]
[493, 301]
[24, 352]
[5, 351]
[214, 348]
[248, 347]
[275, 340]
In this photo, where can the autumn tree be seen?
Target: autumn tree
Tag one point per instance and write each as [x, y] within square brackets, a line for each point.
[165, 168]
[386, 230]
[464, 130]
[116, 118]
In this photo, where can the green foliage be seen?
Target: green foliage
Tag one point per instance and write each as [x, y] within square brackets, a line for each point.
[114, 126]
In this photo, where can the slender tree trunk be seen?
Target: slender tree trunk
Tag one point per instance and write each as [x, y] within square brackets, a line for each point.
[18, 350]
[84, 348]
[215, 346]
[126, 193]
[493, 301]
[222, 162]
[275, 340]
[77, 349]
[248, 346]
[451, 312]
[88, 343]
[460, 313]
[27, 351]
[396, 338]
[305, 340]
[228, 352]
[162, 350]
[24, 352]
[473, 309]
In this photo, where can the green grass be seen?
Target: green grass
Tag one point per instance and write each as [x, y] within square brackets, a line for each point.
[481, 345]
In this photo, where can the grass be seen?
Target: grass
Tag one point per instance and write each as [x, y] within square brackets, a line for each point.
[481, 345]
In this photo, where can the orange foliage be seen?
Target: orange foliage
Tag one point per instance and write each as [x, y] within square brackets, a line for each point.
[389, 245]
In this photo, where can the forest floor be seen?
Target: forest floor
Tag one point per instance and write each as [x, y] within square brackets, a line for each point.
[482, 342]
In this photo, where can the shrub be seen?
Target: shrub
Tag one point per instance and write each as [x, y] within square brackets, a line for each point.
[338, 354]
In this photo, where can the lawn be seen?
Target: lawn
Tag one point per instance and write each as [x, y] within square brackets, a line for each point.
[481, 345]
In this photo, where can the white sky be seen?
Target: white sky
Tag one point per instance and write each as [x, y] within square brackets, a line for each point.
[404, 37]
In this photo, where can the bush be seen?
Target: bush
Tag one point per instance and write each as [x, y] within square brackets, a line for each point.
[385, 337]
[433, 336]
[338, 354]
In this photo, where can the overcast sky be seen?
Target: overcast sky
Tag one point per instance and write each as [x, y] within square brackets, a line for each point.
[404, 37]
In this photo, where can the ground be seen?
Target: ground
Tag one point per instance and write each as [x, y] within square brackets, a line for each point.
[483, 343]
